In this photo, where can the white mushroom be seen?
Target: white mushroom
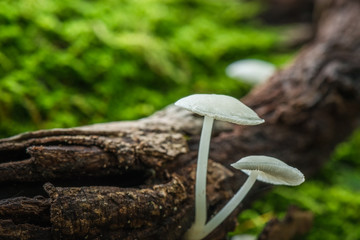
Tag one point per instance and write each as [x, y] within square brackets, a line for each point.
[262, 168]
[270, 170]
[252, 71]
[219, 107]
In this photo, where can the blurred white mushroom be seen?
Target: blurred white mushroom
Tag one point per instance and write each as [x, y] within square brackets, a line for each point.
[244, 237]
[252, 71]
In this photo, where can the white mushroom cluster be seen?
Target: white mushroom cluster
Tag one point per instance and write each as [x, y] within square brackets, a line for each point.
[262, 168]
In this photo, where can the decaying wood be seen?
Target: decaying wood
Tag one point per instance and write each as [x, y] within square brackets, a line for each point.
[296, 222]
[288, 11]
[135, 180]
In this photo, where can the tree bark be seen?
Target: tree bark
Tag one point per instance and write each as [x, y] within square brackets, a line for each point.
[135, 180]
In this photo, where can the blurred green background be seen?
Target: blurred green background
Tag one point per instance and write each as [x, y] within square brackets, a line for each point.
[70, 63]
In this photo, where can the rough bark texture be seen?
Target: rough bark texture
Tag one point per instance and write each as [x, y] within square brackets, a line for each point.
[135, 180]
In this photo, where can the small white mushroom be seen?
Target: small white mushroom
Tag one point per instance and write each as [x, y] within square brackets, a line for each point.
[244, 237]
[270, 170]
[212, 106]
[220, 107]
[252, 71]
[262, 168]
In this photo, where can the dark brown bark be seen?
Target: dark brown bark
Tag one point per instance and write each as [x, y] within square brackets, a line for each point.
[287, 11]
[135, 180]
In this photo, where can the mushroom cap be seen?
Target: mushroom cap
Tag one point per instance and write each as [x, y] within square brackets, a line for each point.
[220, 107]
[252, 71]
[271, 170]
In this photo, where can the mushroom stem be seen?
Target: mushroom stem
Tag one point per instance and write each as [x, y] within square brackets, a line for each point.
[200, 185]
[231, 205]
[201, 171]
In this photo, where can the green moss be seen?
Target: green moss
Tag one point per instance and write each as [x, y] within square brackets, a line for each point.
[69, 63]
